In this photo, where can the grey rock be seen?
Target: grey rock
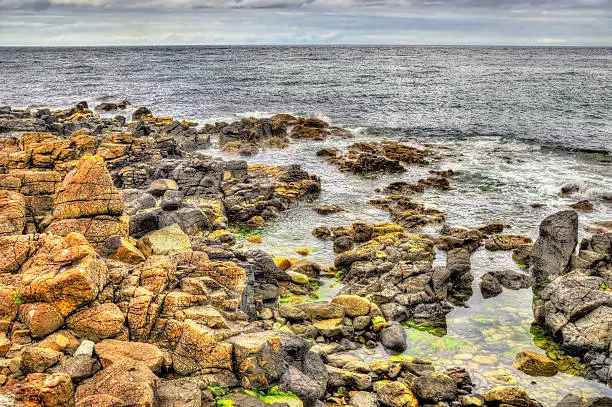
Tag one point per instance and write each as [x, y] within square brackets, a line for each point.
[393, 337]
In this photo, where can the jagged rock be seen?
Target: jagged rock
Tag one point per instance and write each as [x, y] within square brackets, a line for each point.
[507, 242]
[79, 367]
[345, 378]
[160, 186]
[198, 350]
[364, 399]
[435, 387]
[298, 383]
[136, 200]
[82, 276]
[551, 253]
[98, 322]
[126, 383]
[87, 191]
[37, 360]
[580, 401]
[111, 351]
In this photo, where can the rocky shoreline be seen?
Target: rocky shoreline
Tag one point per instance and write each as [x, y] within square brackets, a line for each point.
[121, 284]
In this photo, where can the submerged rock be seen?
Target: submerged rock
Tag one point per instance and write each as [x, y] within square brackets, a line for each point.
[534, 364]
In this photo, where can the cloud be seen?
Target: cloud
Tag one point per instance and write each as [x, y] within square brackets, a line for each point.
[528, 22]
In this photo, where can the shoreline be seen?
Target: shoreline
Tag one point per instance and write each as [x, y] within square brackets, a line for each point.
[148, 224]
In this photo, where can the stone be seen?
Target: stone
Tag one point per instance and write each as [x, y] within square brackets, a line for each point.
[552, 251]
[298, 278]
[167, 241]
[507, 242]
[435, 387]
[82, 276]
[110, 351]
[534, 364]
[322, 310]
[126, 252]
[12, 213]
[345, 378]
[490, 286]
[508, 395]
[39, 389]
[198, 350]
[37, 360]
[159, 187]
[572, 400]
[292, 313]
[98, 322]
[364, 399]
[298, 383]
[396, 394]
[79, 367]
[41, 318]
[127, 382]
[354, 305]
[87, 191]
[179, 393]
[393, 337]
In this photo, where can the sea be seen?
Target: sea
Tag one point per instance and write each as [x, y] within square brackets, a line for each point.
[517, 124]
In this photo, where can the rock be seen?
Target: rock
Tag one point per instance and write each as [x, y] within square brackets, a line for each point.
[86, 348]
[124, 383]
[343, 244]
[328, 209]
[354, 305]
[167, 241]
[348, 379]
[490, 286]
[298, 383]
[292, 313]
[39, 389]
[584, 206]
[396, 394]
[179, 393]
[435, 387]
[580, 401]
[508, 395]
[136, 200]
[298, 278]
[126, 252]
[12, 213]
[41, 318]
[307, 267]
[534, 364]
[98, 322]
[393, 337]
[160, 186]
[551, 253]
[198, 350]
[507, 242]
[364, 399]
[322, 310]
[110, 351]
[172, 200]
[511, 279]
[87, 191]
[37, 360]
[79, 367]
[82, 276]
[141, 113]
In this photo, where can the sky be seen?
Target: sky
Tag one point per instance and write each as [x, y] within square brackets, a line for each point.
[260, 22]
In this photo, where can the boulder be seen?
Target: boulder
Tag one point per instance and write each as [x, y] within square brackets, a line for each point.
[12, 213]
[79, 367]
[580, 401]
[159, 187]
[396, 394]
[98, 322]
[87, 191]
[41, 318]
[552, 252]
[508, 395]
[393, 337]
[167, 241]
[179, 393]
[198, 350]
[82, 276]
[110, 351]
[37, 360]
[535, 364]
[323, 310]
[354, 305]
[39, 389]
[490, 286]
[364, 399]
[127, 382]
[435, 387]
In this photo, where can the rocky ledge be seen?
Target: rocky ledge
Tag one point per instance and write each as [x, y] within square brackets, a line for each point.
[119, 285]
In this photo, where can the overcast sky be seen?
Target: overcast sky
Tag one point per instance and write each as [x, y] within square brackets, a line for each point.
[149, 22]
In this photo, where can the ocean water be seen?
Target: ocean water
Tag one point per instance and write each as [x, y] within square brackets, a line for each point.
[517, 124]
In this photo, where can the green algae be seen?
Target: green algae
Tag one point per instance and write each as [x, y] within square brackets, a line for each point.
[275, 395]
[435, 328]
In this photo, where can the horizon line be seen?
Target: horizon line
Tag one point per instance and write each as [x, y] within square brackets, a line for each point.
[543, 45]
